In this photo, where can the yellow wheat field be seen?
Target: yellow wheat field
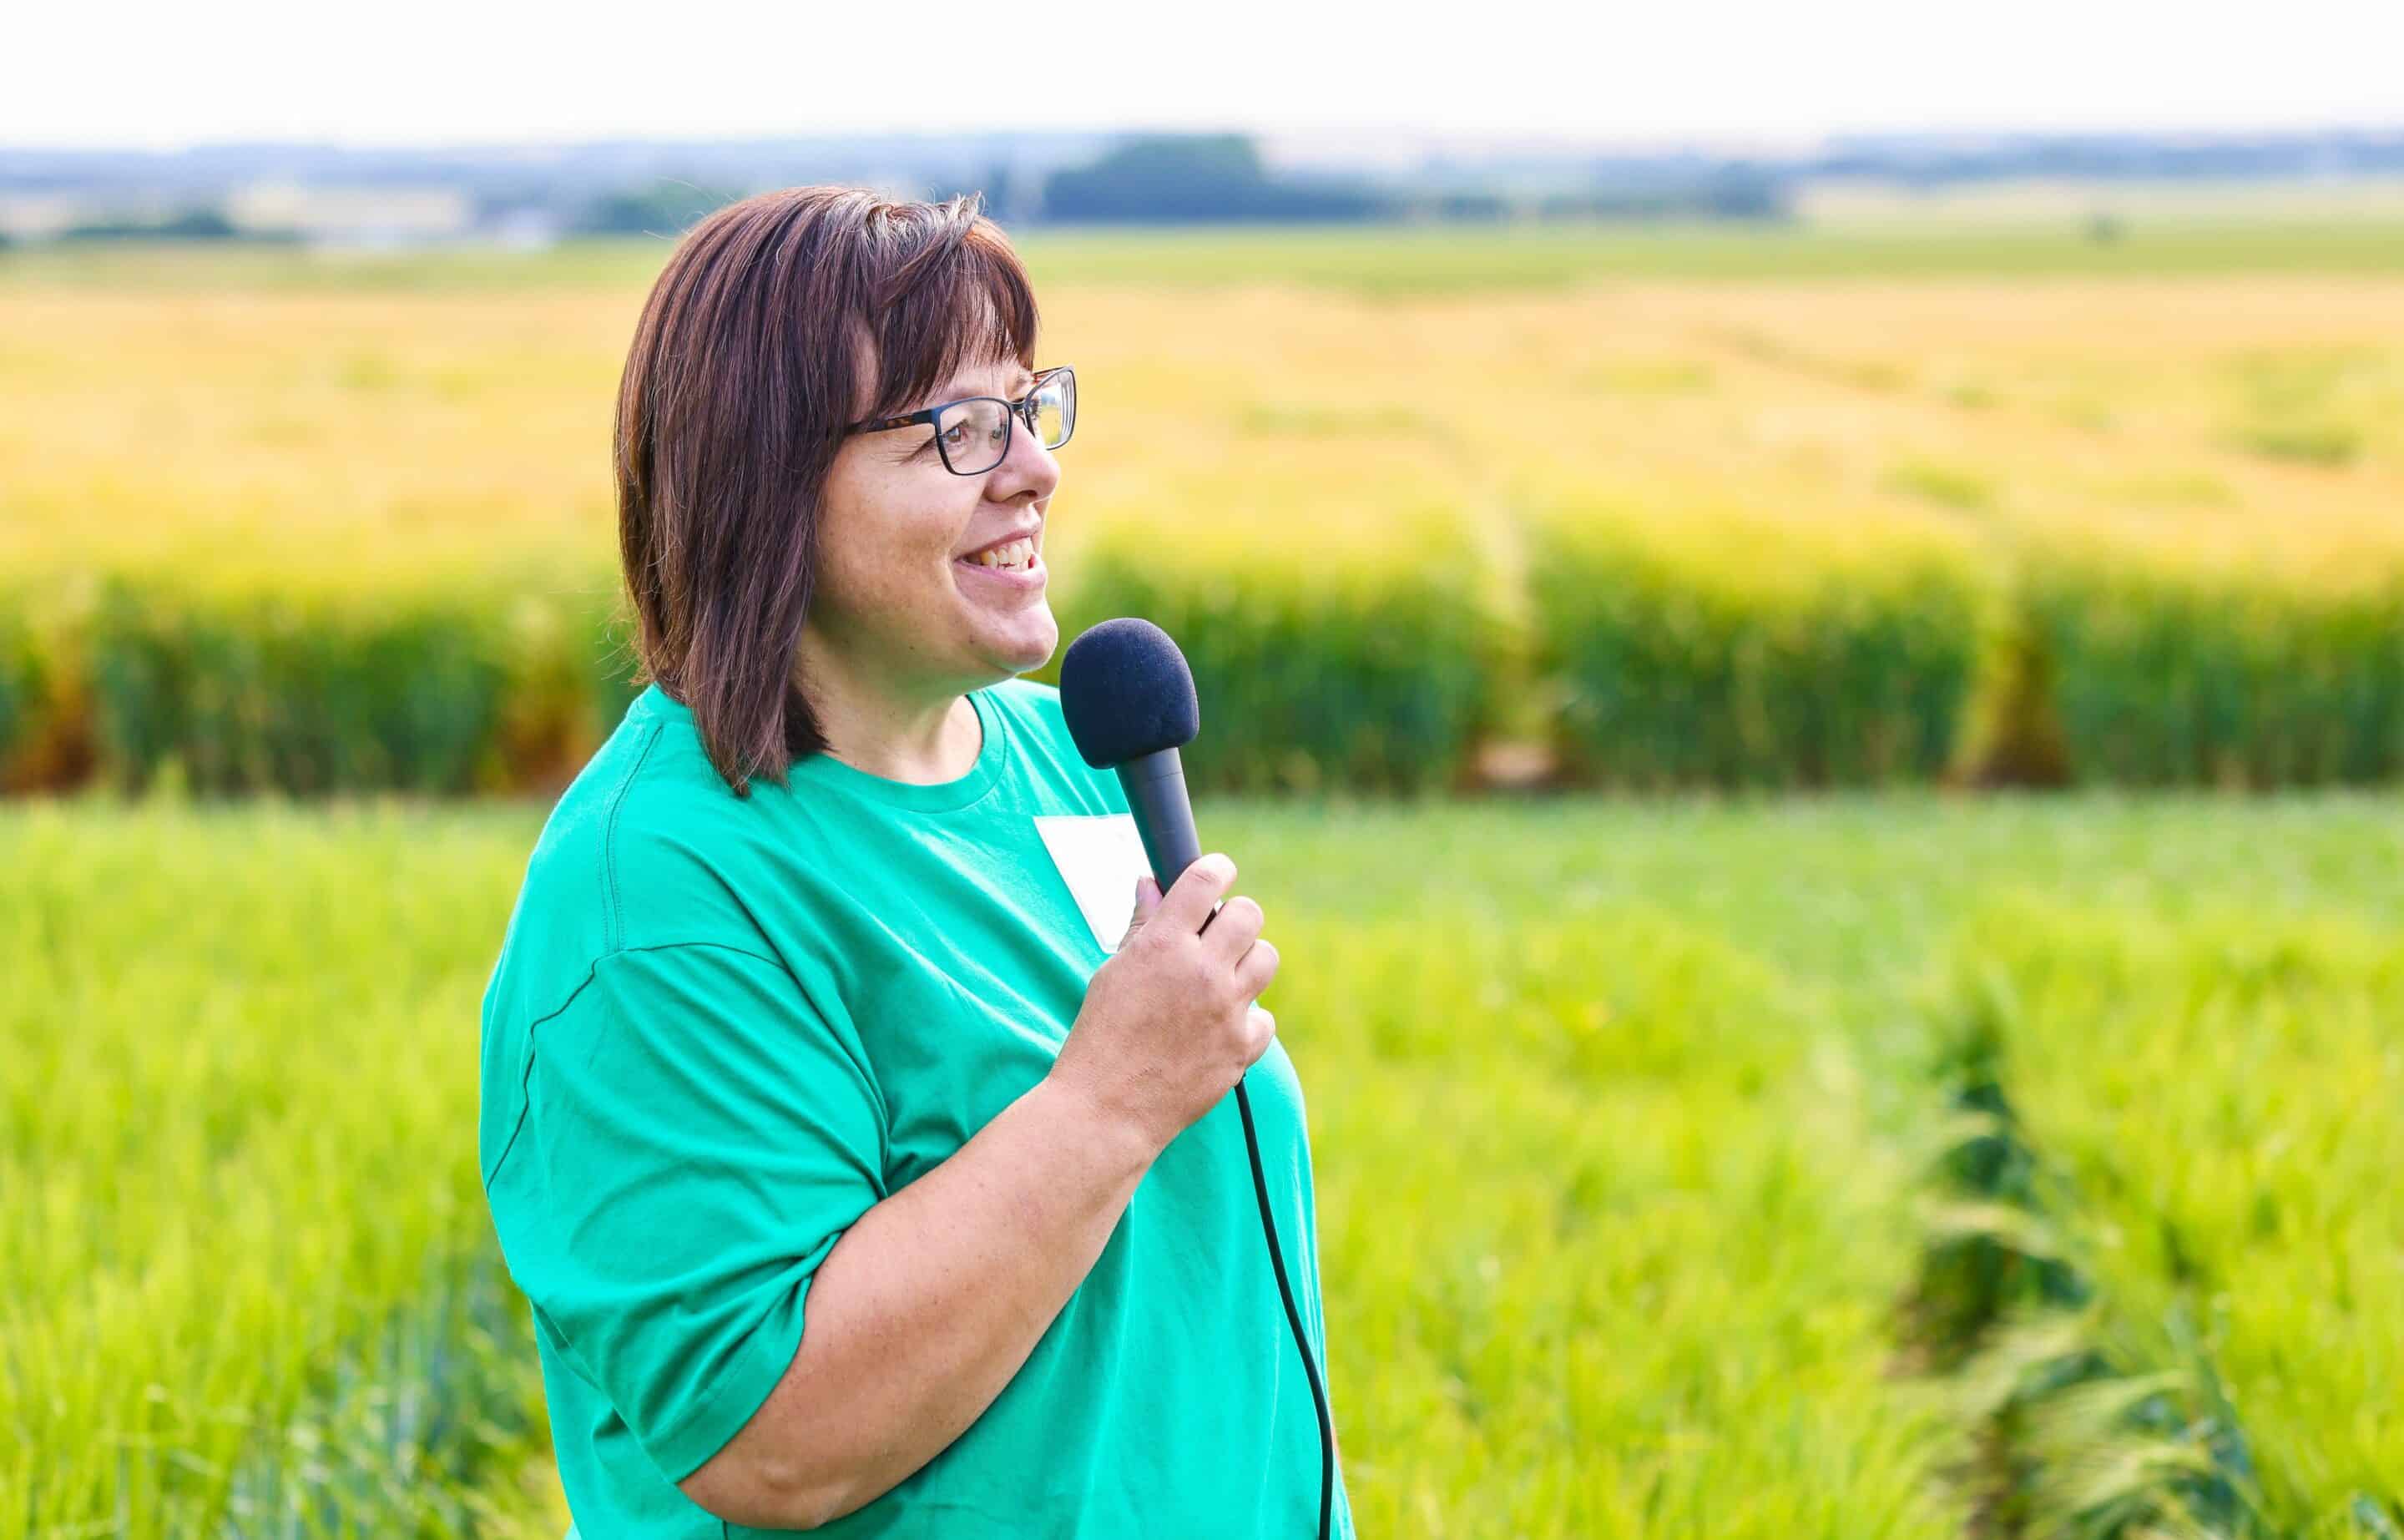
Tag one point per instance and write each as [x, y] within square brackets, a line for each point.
[363, 437]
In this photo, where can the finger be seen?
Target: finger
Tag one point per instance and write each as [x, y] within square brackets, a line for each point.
[1234, 927]
[1264, 1025]
[1187, 904]
[1256, 967]
[1147, 897]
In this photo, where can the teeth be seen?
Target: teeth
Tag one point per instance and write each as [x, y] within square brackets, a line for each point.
[1018, 553]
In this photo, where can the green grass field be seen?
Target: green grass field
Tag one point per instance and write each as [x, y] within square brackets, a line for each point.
[1631, 1122]
[2212, 1101]
[1370, 261]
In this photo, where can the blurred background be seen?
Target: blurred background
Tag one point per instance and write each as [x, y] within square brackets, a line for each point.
[1800, 617]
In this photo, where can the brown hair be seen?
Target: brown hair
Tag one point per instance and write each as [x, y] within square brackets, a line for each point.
[747, 365]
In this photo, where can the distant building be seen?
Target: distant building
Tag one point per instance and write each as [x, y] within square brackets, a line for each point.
[353, 216]
[40, 215]
[524, 229]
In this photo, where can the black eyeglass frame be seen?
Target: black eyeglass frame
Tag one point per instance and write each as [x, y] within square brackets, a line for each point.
[1020, 409]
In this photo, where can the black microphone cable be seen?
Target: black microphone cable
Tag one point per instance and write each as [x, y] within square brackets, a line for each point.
[1293, 1319]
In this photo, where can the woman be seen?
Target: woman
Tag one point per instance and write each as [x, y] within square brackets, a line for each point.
[859, 1181]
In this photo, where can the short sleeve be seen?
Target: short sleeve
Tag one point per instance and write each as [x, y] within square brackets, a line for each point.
[698, 1135]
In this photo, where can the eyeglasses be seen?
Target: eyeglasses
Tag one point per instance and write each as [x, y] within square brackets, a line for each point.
[973, 434]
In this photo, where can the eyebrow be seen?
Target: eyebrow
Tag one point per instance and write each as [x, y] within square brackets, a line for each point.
[1027, 376]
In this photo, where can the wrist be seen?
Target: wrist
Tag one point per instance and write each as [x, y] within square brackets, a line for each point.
[1111, 1137]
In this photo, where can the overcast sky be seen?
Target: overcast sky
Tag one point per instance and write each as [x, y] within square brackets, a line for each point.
[434, 72]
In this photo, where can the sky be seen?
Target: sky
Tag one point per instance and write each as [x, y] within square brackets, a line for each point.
[437, 72]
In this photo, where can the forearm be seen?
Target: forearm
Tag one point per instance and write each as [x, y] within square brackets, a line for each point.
[934, 1298]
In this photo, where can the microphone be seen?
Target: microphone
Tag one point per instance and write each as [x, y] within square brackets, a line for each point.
[1129, 698]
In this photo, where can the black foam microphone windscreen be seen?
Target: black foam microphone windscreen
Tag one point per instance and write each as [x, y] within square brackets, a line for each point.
[1128, 699]
[1127, 693]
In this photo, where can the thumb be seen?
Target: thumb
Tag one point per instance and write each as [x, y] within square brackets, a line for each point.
[1147, 899]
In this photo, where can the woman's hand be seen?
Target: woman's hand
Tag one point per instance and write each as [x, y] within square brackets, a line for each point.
[1169, 1023]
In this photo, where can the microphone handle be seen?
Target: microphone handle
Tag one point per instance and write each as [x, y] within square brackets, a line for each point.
[1154, 784]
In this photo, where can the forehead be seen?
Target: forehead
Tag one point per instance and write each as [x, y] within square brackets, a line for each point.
[990, 377]
[980, 373]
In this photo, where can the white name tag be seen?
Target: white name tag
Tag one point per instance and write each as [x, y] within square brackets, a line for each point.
[1099, 856]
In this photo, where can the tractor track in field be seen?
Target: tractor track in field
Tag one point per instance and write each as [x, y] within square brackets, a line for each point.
[2068, 1428]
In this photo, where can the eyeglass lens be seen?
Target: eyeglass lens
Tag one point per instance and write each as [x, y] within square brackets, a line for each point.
[974, 435]
[1056, 409]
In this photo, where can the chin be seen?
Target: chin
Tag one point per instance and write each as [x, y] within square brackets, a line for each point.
[1026, 650]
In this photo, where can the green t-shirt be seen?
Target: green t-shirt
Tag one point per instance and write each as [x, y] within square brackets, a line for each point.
[721, 1028]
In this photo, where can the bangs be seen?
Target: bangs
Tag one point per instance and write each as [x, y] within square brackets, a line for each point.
[957, 297]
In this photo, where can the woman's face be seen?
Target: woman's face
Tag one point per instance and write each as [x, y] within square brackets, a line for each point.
[896, 589]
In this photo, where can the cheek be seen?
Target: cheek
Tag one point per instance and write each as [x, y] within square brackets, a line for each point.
[894, 547]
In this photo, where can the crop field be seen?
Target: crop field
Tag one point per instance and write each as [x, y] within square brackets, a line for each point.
[2179, 1284]
[1868, 508]
[1655, 1188]
[1883, 1161]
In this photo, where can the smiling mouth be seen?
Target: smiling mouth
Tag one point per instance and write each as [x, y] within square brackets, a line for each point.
[1018, 556]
